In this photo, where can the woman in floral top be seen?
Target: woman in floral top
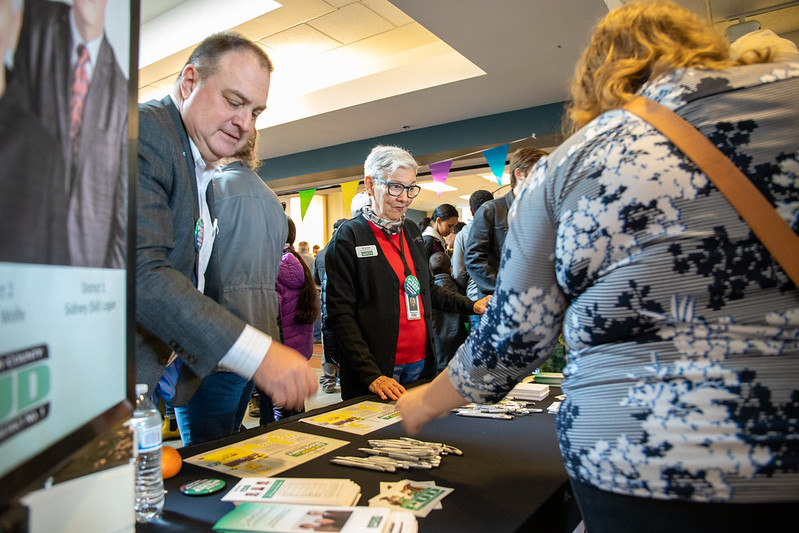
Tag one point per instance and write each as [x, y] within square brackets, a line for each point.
[682, 379]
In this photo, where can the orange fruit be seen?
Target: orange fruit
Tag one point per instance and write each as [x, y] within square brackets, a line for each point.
[171, 461]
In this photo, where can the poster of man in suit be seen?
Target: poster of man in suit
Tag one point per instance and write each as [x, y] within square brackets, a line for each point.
[73, 82]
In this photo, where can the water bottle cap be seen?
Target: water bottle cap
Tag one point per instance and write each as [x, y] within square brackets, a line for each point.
[141, 388]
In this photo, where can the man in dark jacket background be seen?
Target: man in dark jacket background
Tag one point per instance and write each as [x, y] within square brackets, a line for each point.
[490, 225]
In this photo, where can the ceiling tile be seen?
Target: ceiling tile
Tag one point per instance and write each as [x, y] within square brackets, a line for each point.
[351, 23]
[388, 11]
[340, 3]
[292, 13]
[299, 41]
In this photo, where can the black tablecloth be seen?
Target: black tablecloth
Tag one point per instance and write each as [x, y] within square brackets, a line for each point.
[509, 478]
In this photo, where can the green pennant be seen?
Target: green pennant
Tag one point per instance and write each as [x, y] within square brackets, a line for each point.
[305, 200]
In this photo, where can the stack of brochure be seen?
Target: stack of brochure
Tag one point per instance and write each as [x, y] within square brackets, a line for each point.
[306, 491]
[549, 378]
[531, 392]
[280, 518]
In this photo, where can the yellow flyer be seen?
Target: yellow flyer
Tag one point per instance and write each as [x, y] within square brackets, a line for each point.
[360, 418]
[266, 455]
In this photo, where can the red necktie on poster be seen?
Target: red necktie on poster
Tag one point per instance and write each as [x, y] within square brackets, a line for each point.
[80, 86]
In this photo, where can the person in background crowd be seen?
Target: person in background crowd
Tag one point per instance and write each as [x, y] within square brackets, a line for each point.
[359, 201]
[477, 198]
[252, 232]
[315, 250]
[449, 329]
[490, 225]
[304, 251]
[444, 218]
[329, 375]
[299, 308]
[379, 292]
[749, 47]
[310, 260]
[451, 237]
[424, 223]
[682, 377]
[181, 323]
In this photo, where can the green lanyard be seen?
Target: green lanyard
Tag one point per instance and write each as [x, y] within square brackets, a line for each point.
[411, 283]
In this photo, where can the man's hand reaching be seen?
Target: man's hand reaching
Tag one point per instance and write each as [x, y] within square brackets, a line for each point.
[285, 375]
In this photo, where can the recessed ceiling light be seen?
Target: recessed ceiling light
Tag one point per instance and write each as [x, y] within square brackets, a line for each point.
[437, 186]
[493, 179]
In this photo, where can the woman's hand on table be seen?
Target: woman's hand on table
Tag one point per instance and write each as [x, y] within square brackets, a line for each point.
[422, 404]
[387, 388]
[413, 410]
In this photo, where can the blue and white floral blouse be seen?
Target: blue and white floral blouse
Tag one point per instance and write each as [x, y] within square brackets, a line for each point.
[682, 379]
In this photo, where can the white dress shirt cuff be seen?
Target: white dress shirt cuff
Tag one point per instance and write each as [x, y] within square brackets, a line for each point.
[247, 352]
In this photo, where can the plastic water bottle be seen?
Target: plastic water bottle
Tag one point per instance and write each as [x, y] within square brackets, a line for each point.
[146, 426]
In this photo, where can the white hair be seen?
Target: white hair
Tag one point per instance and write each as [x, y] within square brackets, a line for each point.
[383, 161]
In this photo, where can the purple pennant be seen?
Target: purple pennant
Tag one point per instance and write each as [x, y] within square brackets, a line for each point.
[440, 170]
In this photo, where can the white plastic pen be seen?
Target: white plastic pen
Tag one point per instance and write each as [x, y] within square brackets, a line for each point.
[477, 414]
[365, 464]
[391, 454]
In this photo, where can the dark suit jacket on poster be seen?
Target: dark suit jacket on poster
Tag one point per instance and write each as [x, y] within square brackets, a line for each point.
[96, 177]
[172, 314]
[32, 205]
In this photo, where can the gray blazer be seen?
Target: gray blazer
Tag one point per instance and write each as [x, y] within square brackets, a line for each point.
[252, 233]
[171, 314]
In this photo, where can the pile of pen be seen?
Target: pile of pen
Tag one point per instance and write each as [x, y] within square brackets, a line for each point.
[390, 455]
[504, 410]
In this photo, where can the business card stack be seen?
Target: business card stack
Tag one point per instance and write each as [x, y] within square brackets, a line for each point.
[548, 378]
[530, 392]
[305, 491]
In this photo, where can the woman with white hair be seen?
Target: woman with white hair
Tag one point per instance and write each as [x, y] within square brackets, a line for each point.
[379, 290]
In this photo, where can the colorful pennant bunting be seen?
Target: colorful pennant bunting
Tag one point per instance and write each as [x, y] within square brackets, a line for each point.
[496, 160]
[440, 170]
[305, 200]
[348, 191]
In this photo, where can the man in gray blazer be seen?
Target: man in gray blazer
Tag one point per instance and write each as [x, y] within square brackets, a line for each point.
[209, 115]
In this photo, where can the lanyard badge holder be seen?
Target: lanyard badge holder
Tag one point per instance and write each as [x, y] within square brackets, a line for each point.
[411, 286]
[412, 289]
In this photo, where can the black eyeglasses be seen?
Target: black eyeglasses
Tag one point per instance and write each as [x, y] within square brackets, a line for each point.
[395, 189]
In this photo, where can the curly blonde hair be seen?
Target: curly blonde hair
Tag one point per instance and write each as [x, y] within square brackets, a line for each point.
[636, 43]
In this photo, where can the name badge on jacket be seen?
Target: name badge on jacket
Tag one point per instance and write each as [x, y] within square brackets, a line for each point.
[366, 251]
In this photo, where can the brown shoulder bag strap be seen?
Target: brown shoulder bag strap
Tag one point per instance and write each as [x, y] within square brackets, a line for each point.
[774, 233]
